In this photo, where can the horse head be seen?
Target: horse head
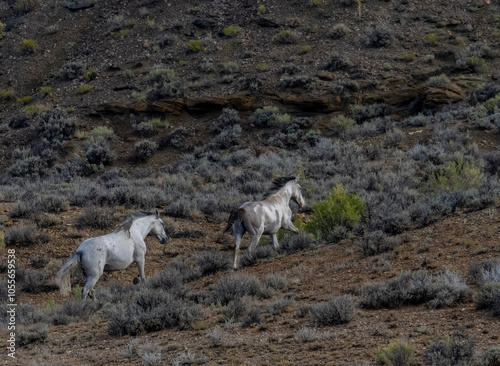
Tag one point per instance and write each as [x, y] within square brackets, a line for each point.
[297, 192]
[158, 229]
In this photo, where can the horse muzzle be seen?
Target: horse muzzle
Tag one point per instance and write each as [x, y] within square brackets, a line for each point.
[163, 239]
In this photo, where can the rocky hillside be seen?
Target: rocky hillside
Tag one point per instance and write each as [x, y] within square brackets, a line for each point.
[194, 107]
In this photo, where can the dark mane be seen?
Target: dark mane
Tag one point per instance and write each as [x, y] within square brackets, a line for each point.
[125, 225]
[278, 183]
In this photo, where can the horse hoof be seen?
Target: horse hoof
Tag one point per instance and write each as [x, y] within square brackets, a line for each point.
[136, 280]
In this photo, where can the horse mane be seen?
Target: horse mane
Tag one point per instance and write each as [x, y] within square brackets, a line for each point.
[127, 224]
[277, 184]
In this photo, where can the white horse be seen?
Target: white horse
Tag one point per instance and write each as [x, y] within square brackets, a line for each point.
[112, 252]
[267, 216]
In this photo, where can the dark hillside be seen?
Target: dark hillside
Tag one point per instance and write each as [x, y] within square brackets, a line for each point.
[388, 110]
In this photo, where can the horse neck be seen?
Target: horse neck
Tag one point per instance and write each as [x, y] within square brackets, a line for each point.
[284, 194]
[141, 227]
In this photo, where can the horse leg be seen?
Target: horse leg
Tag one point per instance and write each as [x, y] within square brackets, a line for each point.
[254, 240]
[88, 288]
[291, 227]
[239, 231]
[140, 267]
[274, 240]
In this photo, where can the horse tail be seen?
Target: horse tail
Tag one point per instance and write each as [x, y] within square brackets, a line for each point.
[64, 274]
[235, 216]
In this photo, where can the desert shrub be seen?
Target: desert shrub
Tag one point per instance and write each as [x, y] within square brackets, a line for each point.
[96, 217]
[438, 81]
[45, 90]
[375, 242]
[215, 336]
[279, 306]
[339, 310]
[4, 127]
[90, 74]
[340, 209]
[26, 46]
[7, 94]
[452, 350]
[231, 31]
[486, 271]
[378, 36]
[396, 354]
[338, 31]
[173, 89]
[419, 120]
[31, 280]
[340, 124]
[97, 151]
[306, 334]
[212, 261]
[103, 132]
[343, 86]
[274, 282]
[234, 287]
[72, 70]
[23, 235]
[231, 67]
[228, 137]
[84, 89]
[393, 138]
[143, 150]
[361, 113]
[262, 252]
[30, 166]
[253, 317]
[449, 289]
[446, 289]
[26, 5]
[286, 37]
[489, 297]
[292, 82]
[141, 128]
[35, 334]
[18, 122]
[228, 117]
[175, 138]
[235, 309]
[25, 100]
[55, 126]
[334, 62]
[194, 45]
[459, 174]
[477, 64]
[295, 243]
[490, 357]
[2, 29]
[160, 75]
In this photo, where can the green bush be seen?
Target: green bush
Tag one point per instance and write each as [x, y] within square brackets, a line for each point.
[340, 209]
[431, 38]
[195, 45]
[456, 175]
[231, 66]
[395, 354]
[85, 88]
[26, 5]
[7, 94]
[490, 357]
[231, 31]
[286, 37]
[25, 100]
[261, 10]
[45, 90]
[26, 46]
[477, 64]
[90, 74]
[2, 28]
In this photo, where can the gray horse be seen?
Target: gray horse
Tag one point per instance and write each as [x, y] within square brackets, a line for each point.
[112, 252]
[267, 216]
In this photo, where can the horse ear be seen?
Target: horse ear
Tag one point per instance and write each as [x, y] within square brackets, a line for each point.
[297, 177]
[157, 213]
